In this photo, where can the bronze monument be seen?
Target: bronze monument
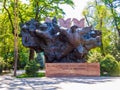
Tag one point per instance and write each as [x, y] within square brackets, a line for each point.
[57, 43]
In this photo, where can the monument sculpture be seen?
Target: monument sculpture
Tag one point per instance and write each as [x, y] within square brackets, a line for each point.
[60, 44]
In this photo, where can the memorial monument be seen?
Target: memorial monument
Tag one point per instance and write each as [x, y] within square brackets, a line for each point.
[60, 45]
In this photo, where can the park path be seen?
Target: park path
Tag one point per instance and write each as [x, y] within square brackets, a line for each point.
[7, 82]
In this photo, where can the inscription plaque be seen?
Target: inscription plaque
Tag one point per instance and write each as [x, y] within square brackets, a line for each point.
[72, 69]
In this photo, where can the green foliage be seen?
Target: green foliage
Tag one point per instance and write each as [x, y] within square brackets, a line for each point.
[2, 64]
[42, 9]
[39, 74]
[22, 63]
[23, 57]
[109, 66]
[103, 15]
[119, 69]
[39, 9]
[94, 57]
[31, 68]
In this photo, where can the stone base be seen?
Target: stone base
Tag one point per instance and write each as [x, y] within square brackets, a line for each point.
[72, 69]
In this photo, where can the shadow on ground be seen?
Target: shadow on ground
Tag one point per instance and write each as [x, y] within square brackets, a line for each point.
[45, 83]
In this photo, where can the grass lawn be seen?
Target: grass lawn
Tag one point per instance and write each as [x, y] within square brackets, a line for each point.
[24, 75]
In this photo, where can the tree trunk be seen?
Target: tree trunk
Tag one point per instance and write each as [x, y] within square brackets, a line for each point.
[31, 54]
[31, 51]
[15, 35]
[9, 16]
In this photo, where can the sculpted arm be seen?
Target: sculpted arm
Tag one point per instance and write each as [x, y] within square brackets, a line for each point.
[42, 34]
[84, 30]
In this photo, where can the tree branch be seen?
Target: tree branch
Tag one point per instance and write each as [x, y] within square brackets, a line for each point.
[37, 10]
[115, 21]
[9, 15]
[86, 20]
[20, 16]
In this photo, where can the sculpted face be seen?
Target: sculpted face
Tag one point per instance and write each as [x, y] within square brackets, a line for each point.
[92, 39]
[28, 35]
[35, 35]
[95, 33]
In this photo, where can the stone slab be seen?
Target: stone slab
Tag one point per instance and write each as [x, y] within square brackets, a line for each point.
[72, 69]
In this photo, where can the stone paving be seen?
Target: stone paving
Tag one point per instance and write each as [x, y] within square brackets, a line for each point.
[7, 82]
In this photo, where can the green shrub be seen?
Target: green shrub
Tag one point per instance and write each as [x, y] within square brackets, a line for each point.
[94, 57]
[9, 64]
[2, 64]
[109, 66]
[22, 63]
[23, 59]
[31, 68]
[119, 67]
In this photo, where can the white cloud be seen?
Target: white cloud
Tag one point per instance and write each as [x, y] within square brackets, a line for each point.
[75, 12]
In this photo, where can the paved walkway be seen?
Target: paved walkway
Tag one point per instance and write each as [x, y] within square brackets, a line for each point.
[70, 83]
